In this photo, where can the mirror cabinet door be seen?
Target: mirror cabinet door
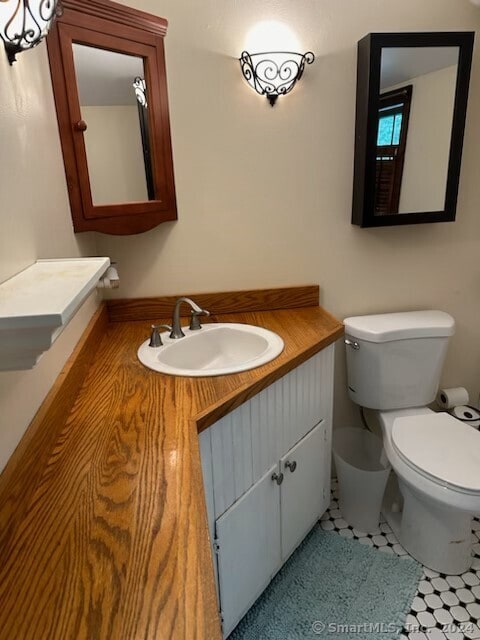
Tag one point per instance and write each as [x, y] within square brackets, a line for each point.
[411, 102]
[114, 147]
[110, 92]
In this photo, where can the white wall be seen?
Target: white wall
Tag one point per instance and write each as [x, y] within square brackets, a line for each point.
[428, 141]
[264, 195]
[34, 222]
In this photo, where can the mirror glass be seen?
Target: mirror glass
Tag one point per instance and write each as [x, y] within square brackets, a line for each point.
[113, 104]
[414, 128]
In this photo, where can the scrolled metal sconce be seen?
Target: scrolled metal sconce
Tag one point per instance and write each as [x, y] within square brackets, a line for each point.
[140, 88]
[24, 23]
[275, 73]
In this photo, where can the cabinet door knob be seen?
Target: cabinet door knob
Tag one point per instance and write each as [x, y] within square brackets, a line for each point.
[278, 478]
[81, 125]
[291, 465]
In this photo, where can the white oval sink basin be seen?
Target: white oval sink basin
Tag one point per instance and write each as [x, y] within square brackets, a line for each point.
[214, 350]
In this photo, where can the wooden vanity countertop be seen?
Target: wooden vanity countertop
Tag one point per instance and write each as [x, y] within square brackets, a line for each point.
[103, 529]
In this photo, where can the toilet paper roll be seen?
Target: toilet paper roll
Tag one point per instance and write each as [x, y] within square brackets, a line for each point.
[448, 398]
[463, 412]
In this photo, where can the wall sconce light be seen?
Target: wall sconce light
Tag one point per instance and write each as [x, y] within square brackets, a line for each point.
[24, 23]
[274, 74]
[140, 88]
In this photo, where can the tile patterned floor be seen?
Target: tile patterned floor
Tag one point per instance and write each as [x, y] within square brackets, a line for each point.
[445, 607]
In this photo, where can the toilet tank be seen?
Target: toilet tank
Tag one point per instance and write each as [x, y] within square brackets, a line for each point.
[396, 359]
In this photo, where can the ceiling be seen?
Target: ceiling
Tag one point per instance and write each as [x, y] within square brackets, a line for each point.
[402, 64]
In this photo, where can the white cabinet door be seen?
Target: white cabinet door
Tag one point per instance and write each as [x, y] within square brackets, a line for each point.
[253, 437]
[304, 496]
[248, 539]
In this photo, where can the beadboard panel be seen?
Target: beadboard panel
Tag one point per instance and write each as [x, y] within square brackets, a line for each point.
[265, 432]
[242, 448]
[249, 440]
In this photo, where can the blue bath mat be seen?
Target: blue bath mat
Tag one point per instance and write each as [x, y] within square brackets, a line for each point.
[334, 588]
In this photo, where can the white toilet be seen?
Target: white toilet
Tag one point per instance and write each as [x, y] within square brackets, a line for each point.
[394, 362]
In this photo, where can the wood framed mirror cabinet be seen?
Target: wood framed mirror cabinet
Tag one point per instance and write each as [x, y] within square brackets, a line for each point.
[107, 66]
[412, 94]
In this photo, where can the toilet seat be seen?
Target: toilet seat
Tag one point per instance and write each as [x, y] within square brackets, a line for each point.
[441, 448]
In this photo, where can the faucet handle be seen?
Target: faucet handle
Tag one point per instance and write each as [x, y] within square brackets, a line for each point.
[194, 321]
[155, 337]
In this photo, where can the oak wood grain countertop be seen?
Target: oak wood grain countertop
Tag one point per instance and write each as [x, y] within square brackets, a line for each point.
[103, 518]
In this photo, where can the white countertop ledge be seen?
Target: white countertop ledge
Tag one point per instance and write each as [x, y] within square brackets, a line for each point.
[37, 303]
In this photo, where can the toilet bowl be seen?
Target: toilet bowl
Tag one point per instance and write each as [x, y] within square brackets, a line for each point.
[436, 459]
[394, 362]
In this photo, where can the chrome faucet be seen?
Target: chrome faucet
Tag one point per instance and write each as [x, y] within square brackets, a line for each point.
[194, 321]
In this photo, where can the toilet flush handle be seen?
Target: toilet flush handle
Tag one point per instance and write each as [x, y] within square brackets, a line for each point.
[351, 343]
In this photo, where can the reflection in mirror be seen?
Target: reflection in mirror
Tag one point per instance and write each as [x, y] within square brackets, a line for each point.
[140, 88]
[415, 118]
[116, 138]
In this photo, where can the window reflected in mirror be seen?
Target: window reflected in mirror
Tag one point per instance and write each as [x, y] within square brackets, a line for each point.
[393, 117]
[116, 138]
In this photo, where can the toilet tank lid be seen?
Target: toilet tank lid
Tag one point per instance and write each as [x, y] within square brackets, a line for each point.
[384, 327]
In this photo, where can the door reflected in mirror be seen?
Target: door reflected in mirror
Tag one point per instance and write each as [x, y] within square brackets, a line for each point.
[415, 118]
[116, 135]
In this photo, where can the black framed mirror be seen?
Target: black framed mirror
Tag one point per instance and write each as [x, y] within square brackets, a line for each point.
[412, 94]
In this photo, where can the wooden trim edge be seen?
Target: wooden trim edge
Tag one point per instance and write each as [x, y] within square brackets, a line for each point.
[146, 309]
[17, 480]
[117, 12]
